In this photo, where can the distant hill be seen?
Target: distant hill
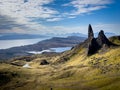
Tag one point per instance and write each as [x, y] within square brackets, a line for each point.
[20, 36]
[67, 34]
[14, 36]
[42, 45]
[108, 34]
[76, 34]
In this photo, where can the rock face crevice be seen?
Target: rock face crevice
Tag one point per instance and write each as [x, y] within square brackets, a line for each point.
[95, 44]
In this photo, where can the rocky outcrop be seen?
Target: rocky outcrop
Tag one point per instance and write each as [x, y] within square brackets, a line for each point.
[95, 44]
[44, 62]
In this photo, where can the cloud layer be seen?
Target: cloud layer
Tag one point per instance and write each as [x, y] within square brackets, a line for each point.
[26, 16]
[87, 6]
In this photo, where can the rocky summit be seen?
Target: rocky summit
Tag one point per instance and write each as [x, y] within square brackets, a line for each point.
[96, 44]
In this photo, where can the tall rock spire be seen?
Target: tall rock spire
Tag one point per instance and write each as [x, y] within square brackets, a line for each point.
[91, 41]
[90, 32]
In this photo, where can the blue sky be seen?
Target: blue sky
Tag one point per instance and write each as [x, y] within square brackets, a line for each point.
[59, 16]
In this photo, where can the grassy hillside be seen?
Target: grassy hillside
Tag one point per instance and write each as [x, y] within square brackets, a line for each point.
[115, 39]
[100, 71]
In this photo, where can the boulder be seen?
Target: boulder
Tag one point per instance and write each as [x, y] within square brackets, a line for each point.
[44, 62]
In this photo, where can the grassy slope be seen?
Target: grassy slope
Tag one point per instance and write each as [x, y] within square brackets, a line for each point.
[98, 72]
[115, 39]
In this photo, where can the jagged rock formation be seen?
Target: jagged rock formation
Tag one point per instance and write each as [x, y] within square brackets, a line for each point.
[95, 44]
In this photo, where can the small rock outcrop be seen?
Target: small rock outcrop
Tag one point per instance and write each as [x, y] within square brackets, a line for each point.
[95, 44]
[44, 62]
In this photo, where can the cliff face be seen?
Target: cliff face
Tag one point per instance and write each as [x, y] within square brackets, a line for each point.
[96, 44]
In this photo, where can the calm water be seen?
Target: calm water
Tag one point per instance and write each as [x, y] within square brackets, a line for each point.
[4, 44]
[58, 50]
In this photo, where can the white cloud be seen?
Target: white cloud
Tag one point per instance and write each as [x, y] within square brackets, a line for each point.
[87, 6]
[20, 13]
[21, 10]
[32, 8]
[54, 19]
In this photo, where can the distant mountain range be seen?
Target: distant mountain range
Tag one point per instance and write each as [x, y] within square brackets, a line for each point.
[15, 36]
[108, 34]
[20, 36]
[33, 36]
[75, 34]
